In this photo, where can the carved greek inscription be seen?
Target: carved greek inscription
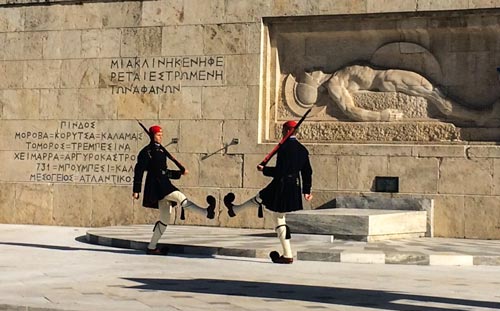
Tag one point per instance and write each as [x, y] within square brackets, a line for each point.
[164, 75]
[78, 152]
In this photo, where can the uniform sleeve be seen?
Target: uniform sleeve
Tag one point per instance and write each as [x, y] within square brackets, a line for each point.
[140, 167]
[174, 174]
[269, 171]
[306, 173]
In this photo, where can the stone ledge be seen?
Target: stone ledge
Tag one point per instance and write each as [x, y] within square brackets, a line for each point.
[253, 243]
[391, 203]
[359, 224]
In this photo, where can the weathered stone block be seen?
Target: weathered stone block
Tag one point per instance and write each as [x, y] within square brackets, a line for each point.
[12, 74]
[99, 104]
[225, 39]
[416, 175]
[80, 74]
[496, 177]
[449, 216]
[242, 130]
[43, 18]
[204, 11]
[11, 20]
[13, 44]
[464, 176]
[325, 172]
[252, 178]
[221, 171]
[254, 38]
[377, 6]
[84, 16]
[62, 44]
[358, 173]
[120, 14]
[58, 104]
[227, 103]
[444, 151]
[427, 5]
[42, 74]
[182, 40]
[111, 205]
[181, 105]
[141, 41]
[238, 11]
[341, 6]
[34, 204]
[110, 43]
[242, 69]
[33, 45]
[164, 12]
[21, 104]
[72, 205]
[7, 202]
[482, 216]
[292, 7]
[192, 163]
[193, 142]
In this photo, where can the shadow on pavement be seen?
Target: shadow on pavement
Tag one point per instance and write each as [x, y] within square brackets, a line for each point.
[377, 299]
[69, 248]
[106, 249]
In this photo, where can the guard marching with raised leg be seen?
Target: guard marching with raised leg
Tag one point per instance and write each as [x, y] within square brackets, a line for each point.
[292, 178]
[159, 192]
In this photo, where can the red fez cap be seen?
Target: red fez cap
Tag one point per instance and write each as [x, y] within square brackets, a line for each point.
[289, 125]
[154, 129]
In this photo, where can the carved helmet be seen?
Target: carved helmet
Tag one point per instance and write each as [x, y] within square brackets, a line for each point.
[308, 85]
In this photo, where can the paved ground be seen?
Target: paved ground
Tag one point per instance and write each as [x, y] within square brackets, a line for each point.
[53, 268]
[258, 244]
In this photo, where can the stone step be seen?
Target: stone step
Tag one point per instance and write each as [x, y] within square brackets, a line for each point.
[359, 224]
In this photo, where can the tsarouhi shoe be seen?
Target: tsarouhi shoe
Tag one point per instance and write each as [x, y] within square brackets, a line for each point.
[276, 258]
[211, 207]
[228, 202]
[162, 251]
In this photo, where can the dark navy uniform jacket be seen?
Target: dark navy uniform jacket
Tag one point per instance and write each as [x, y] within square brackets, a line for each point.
[153, 159]
[284, 193]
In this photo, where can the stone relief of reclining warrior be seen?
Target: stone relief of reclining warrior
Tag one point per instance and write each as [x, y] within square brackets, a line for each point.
[342, 84]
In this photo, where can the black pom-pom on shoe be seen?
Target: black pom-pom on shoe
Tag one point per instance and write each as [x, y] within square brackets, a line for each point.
[211, 207]
[274, 255]
[228, 202]
[276, 258]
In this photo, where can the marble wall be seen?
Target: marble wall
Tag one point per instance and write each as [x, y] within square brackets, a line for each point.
[75, 76]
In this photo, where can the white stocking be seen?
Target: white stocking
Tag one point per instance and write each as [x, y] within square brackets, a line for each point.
[281, 228]
[251, 203]
[161, 225]
[182, 201]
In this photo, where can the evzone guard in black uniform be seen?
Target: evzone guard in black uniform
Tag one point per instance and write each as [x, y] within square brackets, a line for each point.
[284, 193]
[159, 192]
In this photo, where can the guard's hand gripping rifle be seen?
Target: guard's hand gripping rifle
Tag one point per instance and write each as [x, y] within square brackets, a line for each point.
[282, 141]
[171, 157]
